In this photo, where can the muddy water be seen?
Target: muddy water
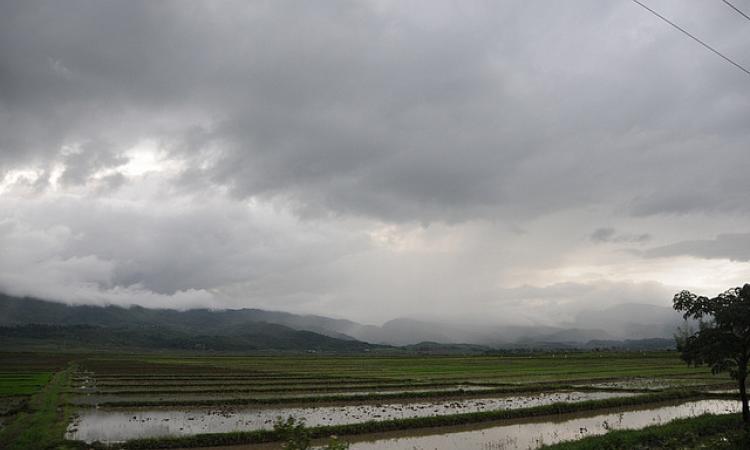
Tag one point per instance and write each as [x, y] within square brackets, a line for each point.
[533, 435]
[115, 425]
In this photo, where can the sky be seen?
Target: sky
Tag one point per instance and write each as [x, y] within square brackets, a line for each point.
[373, 159]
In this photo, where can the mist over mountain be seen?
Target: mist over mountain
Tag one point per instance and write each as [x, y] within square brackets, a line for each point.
[632, 320]
[254, 329]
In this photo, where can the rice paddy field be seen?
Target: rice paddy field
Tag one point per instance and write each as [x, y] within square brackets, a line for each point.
[371, 402]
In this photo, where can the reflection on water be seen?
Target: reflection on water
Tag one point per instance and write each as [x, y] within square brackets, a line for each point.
[119, 425]
[724, 391]
[535, 434]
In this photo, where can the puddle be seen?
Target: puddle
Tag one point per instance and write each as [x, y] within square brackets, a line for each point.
[531, 435]
[114, 425]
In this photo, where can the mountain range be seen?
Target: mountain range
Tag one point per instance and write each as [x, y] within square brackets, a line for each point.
[29, 319]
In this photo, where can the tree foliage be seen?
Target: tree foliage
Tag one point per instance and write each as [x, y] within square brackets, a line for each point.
[722, 341]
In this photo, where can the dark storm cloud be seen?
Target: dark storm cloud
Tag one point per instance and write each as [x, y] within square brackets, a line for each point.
[400, 112]
[734, 247]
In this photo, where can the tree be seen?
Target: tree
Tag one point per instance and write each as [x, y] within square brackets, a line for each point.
[723, 339]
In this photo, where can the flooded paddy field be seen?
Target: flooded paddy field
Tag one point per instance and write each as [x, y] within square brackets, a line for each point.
[192, 389]
[653, 383]
[536, 433]
[198, 386]
[126, 397]
[198, 397]
[207, 381]
[112, 425]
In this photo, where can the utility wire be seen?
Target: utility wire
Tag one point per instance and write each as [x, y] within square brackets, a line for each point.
[736, 9]
[691, 36]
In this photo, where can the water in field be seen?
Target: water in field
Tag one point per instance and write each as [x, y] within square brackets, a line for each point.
[531, 435]
[724, 391]
[113, 425]
[645, 383]
[95, 398]
[198, 387]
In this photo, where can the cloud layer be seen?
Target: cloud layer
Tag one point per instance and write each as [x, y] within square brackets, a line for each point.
[344, 156]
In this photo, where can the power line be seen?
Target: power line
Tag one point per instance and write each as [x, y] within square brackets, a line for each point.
[736, 9]
[691, 36]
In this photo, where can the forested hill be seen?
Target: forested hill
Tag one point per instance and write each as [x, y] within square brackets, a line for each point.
[31, 322]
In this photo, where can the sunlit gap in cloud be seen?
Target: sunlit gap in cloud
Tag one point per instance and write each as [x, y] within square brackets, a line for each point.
[17, 177]
[147, 157]
[676, 273]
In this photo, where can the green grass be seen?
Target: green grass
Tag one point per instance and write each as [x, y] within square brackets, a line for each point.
[707, 431]
[43, 425]
[23, 383]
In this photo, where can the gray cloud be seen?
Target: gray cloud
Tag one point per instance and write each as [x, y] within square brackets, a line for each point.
[91, 157]
[734, 246]
[353, 108]
[608, 234]
[343, 153]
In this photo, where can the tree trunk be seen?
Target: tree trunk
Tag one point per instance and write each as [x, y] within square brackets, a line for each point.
[743, 396]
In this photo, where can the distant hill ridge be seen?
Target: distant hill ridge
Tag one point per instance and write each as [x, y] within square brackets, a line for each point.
[274, 330]
[28, 320]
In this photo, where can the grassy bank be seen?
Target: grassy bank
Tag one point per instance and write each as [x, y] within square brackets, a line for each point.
[708, 431]
[42, 424]
[259, 436]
